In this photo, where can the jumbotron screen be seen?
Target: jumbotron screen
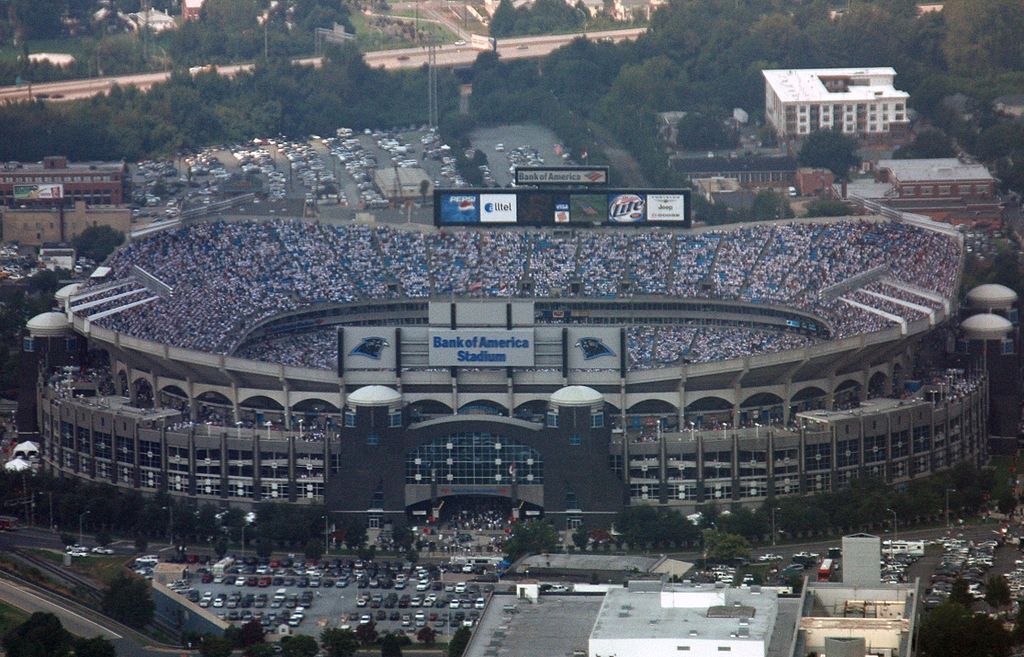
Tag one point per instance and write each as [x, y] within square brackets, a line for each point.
[543, 207]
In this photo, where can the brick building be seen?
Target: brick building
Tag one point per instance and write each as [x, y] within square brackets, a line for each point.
[56, 181]
[942, 188]
[57, 225]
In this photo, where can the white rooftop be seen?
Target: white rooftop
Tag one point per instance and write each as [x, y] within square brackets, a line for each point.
[690, 612]
[935, 170]
[805, 85]
[375, 396]
[576, 396]
[986, 326]
[992, 295]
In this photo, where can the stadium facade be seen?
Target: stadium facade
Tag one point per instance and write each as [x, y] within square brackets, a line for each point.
[556, 419]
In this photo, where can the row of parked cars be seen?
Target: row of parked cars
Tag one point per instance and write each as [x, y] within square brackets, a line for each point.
[961, 559]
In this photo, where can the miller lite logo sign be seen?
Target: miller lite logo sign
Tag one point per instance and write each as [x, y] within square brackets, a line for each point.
[626, 209]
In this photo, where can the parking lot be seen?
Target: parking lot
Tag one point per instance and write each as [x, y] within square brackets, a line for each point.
[395, 596]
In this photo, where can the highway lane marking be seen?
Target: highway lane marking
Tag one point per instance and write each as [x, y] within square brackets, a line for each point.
[48, 603]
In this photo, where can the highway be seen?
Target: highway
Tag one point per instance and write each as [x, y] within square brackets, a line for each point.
[447, 55]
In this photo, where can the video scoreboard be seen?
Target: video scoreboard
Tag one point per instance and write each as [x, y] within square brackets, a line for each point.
[553, 207]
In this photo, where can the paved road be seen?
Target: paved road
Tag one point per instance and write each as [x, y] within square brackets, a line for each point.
[449, 55]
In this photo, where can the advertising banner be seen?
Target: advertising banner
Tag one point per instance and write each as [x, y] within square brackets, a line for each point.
[554, 207]
[480, 348]
[459, 208]
[497, 208]
[562, 176]
[43, 192]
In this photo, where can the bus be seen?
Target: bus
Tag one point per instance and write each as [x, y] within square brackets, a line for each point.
[8, 523]
[826, 570]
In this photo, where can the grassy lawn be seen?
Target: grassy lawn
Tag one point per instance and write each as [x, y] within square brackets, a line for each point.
[10, 617]
[99, 567]
[370, 37]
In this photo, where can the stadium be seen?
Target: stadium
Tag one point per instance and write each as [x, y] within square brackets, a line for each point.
[399, 372]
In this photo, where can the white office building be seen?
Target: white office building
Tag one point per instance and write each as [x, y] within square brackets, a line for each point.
[651, 619]
[860, 102]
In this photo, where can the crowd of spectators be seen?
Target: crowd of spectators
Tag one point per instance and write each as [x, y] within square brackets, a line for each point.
[228, 276]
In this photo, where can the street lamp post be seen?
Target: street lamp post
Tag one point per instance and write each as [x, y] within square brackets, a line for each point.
[81, 518]
[774, 509]
[300, 428]
[170, 523]
[268, 424]
[326, 533]
[238, 429]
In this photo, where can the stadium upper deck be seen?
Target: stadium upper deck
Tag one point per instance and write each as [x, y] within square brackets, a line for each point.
[216, 282]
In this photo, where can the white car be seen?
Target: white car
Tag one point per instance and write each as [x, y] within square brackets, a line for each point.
[460, 42]
[99, 549]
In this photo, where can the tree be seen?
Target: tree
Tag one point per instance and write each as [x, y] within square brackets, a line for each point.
[102, 538]
[928, 143]
[339, 643]
[259, 650]
[128, 600]
[391, 646]
[355, 535]
[264, 547]
[141, 542]
[314, 549]
[704, 131]
[97, 242]
[720, 546]
[997, 591]
[457, 646]
[220, 547]
[42, 635]
[367, 633]
[299, 645]
[424, 188]
[252, 632]
[832, 150]
[403, 538]
[581, 537]
[95, 647]
[530, 537]
[826, 208]
[983, 36]
[951, 630]
[960, 593]
[427, 635]
[214, 646]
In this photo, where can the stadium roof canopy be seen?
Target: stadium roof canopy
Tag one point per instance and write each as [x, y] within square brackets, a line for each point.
[991, 295]
[576, 396]
[47, 325]
[986, 326]
[375, 396]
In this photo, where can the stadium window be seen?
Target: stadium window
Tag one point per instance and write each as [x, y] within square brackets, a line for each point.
[350, 419]
[1007, 347]
[575, 439]
[395, 419]
[373, 439]
[553, 419]
[597, 420]
[1012, 315]
[28, 345]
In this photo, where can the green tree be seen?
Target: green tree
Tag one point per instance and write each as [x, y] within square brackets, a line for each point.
[220, 547]
[960, 593]
[826, 208]
[832, 150]
[102, 538]
[769, 204]
[339, 643]
[42, 635]
[141, 542]
[983, 36]
[720, 546]
[581, 537]
[928, 143]
[403, 538]
[704, 131]
[128, 600]
[391, 646]
[37, 19]
[426, 635]
[951, 630]
[259, 650]
[214, 646]
[252, 632]
[314, 549]
[95, 647]
[97, 242]
[299, 645]
[367, 633]
[530, 537]
[355, 535]
[458, 643]
[997, 591]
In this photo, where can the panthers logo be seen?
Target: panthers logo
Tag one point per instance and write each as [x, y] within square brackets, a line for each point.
[370, 347]
[593, 348]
